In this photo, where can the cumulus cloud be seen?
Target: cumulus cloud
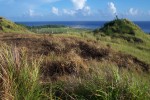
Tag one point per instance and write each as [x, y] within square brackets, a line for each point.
[55, 11]
[31, 12]
[80, 8]
[69, 12]
[133, 11]
[112, 7]
[35, 1]
[49, 1]
[86, 11]
[79, 4]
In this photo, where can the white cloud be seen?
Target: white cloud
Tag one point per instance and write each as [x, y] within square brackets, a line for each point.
[31, 12]
[79, 4]
[80, 7]
[86, 11]
[69, 12]
[133, 11]
[50, 1]
[112, 7]
[55, 11]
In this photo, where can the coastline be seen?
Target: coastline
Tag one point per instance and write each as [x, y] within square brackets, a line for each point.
[144, 25]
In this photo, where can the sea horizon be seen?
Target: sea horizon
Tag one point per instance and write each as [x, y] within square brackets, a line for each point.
[144, 25]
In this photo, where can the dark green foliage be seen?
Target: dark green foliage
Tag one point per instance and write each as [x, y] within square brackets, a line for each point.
[121, 26]
[46, 26]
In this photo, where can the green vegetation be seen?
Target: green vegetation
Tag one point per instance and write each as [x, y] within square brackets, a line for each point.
[121, 26]
[10, 27]
[45, 26]
[126, 37]
[21, 80]
[73, 66]
[124, 29]
[55, 29]
[58, 30]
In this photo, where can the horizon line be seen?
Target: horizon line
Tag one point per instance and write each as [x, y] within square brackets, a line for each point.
[79, 21]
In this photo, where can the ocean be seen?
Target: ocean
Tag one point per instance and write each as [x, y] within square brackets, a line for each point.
[144, 25]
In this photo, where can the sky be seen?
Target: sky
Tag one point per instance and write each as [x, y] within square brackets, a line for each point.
[74, 10]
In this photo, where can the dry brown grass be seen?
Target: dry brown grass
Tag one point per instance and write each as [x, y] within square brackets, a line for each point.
[63, 65]
[70, 55]
[6, 76]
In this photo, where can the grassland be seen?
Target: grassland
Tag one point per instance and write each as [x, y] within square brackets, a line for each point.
[56, 29]
[7, 26]
[73, 66]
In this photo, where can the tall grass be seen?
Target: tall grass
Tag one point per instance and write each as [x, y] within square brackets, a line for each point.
[20, 78]
[108, 82]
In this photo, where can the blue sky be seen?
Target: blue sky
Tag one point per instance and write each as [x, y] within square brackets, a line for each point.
[74, 10]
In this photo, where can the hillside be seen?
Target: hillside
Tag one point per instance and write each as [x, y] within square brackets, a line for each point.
[121, 26]
[7, 26]
[75, 66]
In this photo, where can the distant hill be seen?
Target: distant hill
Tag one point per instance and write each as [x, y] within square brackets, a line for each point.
[122, 28]
[7, 26]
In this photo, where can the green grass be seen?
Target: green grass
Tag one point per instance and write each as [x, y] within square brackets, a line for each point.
[20, 79]
[139, 50]
[121, 26]
[7, 26]
[21, 74]
[59, 30]
[123, 35]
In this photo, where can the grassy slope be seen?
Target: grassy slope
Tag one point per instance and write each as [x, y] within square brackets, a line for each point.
[97, 79]
[73, 66]
[10, 27]
[123, 35]
[139, 50]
